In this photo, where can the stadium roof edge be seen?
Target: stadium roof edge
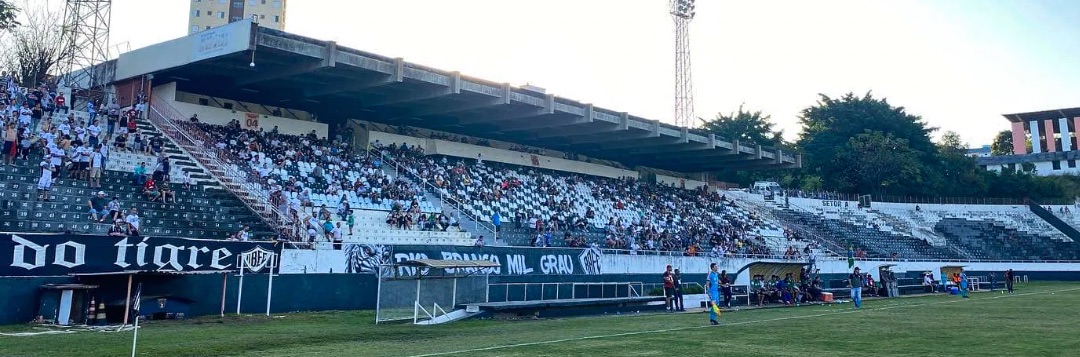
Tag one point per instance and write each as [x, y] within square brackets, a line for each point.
[301, 72]
[1043, 115]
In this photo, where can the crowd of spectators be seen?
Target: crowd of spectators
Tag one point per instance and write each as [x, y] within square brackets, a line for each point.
[299, 168]
[37, 122]
[669, 218]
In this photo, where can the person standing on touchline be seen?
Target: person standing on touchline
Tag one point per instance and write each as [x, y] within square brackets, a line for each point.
[712, 286]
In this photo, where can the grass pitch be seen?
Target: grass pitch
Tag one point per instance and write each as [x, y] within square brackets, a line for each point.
[1041, 319]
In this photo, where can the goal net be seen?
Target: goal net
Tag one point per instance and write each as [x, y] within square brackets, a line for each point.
[406, 293]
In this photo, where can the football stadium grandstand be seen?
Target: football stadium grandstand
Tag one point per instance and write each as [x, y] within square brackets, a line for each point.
[336, 170]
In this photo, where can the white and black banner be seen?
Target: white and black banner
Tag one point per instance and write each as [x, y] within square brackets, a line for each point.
[65, 254]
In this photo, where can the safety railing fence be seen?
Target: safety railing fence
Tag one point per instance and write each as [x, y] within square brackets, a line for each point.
[523, 292]
[837, 196]
[821, 258]
[223, 165]
[478, 225]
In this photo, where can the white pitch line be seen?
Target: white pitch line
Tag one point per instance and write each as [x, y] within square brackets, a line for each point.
[797, 317]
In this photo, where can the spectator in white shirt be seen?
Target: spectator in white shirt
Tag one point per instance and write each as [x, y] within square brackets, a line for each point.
[132, 220]
[187, 180]
[97, 163]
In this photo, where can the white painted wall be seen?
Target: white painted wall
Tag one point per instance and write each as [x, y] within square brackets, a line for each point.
[678, 182]
[1044, 168]
[456, 149]
[300, 261]
[218, 102]
[223, 40]
[221, 116]
[388, 138]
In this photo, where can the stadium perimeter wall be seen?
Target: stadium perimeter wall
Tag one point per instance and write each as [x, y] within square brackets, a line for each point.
[561, 262]
[313, 280]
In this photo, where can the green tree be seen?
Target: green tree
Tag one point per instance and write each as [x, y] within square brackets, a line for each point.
[811, 183]
[34, 47]
[1003, 144]
[746, 126]
[876, 162]
[834, 151]
[961, 175]
[951, 144]
[8, 15]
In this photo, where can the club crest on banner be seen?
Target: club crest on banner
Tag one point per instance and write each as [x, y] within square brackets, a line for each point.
[257, 259]
[590, 261]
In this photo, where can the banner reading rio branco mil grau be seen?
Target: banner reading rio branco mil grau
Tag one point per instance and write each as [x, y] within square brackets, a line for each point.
[64, 254]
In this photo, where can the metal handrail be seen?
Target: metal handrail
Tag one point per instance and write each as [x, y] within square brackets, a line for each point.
[678, 253]
[826, 258]
[877, 198]
[194, 139]
[445, 199]
[616, 286]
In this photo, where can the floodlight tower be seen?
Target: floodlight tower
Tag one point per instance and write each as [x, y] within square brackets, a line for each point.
[85, 42]
[682, 11]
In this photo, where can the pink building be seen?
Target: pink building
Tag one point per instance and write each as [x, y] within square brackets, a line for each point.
[1052, 137]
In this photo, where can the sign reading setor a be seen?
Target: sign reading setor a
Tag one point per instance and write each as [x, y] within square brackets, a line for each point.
[71, 254]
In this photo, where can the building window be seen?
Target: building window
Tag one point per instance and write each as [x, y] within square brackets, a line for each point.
[1056, 164]
[194, 29]
[238, 4]
[208, 27]
[221, 14]
[1072, 163]
[264, 2]
[195, 13]
[277, 4]
[253, 2]
[262, 17]
[277, 18]
[221, 2]
[204, 101]
[227, 105]
[236, 18]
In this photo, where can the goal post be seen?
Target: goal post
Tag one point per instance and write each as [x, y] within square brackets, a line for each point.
[421, 290]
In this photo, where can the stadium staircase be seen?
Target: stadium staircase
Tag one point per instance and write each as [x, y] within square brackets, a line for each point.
[909, 229]
[450, 207]
[180, 160]
[771, 211]
[222, 165]
[1054, 221]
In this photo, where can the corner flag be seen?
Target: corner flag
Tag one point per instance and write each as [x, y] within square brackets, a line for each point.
[138, 303]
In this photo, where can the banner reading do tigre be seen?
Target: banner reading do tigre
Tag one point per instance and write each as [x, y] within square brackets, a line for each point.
[64, 254]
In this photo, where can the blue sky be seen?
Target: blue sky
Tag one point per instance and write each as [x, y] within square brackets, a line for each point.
[958, 63]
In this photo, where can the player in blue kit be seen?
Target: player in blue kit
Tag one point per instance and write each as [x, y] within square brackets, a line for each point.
[712, 285]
